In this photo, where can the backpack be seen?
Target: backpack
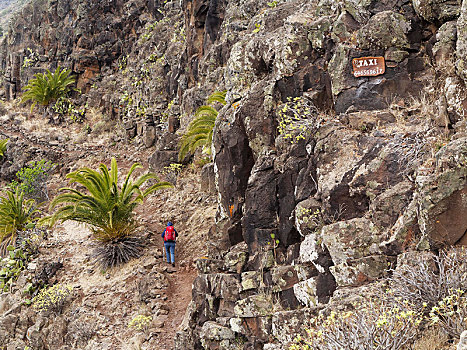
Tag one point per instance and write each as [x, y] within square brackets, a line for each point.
[169, 234]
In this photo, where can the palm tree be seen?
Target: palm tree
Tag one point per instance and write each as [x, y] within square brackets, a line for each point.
[108, 208]
[15, 213]
[199, 132]
[47, 87]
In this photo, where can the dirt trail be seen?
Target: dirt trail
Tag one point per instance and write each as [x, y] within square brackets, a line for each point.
[179, 296]
[97, 291]
[106, 301]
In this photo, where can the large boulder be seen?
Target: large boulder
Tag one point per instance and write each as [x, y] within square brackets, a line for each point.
[258, 328]
[386, 207]
[259, 220]
[441, 197]
[208, 182]
[233, 163]
[445, 47]
[353, 169]
[306, 292]
[437, 10]
[353, 246]
[254, 306]
[384, 30]
[216, 337]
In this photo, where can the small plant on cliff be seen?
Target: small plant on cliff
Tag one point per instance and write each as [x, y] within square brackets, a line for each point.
[30, 58]
[140, 322]
[64, 107]
[3, 144]
[199, 133]
[52, 299]
[172, 171]
[274, 243]
[295, 118]
[47, 87]
[15, 214]
[33, 180]
[19, 255]
[108, 208]
[11, 267]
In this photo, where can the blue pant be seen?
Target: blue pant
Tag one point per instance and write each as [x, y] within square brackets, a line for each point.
[170, 251]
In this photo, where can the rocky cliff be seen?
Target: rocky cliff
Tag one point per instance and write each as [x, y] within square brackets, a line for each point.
[323, 179]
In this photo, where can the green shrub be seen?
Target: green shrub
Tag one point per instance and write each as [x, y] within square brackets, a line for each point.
[17, 258]
[15, 214]
[199, 132]
[107, 207]
[47, 87]
[33, 180]
[11, 267]
[66, 108]
[52, 299]
[3, 144]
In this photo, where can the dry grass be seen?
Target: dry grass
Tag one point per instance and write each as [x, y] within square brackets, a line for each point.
[433, 339]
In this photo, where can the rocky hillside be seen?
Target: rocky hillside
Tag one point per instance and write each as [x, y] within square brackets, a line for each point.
[323, 179]
[8, 8]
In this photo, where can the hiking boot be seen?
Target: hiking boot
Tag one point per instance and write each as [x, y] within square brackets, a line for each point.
[173, 264]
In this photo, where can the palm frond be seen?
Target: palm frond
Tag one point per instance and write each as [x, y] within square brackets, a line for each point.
[47, 87]
[199, 132]
[217, 96]
[3, 144]
[207, 111]
[15, 213]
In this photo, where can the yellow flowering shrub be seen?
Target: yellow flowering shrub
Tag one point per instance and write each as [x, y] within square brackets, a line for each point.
[296, 118]
[451, 313]
[140, 322]
[372, 325]
[52, 299]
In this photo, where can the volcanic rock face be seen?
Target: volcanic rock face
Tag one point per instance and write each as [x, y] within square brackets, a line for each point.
[322, 178]
[67, 33]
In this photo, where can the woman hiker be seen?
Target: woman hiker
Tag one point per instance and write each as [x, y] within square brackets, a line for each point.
[169, 235]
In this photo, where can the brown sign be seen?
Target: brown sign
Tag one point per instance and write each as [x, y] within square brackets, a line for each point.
[368, 66]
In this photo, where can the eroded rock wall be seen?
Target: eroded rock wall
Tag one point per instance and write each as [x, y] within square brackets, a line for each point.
[87, 37]
[342, 200]
[323, 179]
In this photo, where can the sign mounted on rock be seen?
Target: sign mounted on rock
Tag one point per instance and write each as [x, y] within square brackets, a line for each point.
[368, 66]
